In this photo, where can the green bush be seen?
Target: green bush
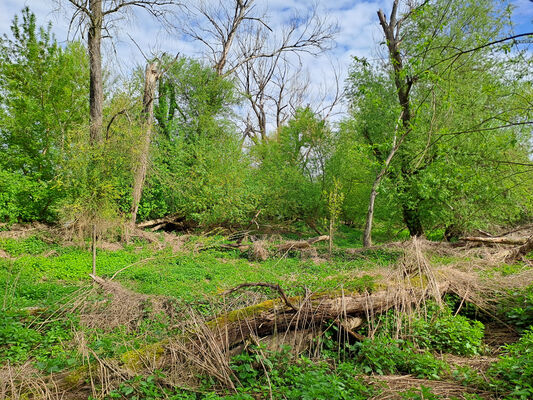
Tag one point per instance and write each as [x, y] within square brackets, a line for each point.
[518, 310]
[448, 333]
[295, 379]
[439, 330]
[514, 372]
[384, 355]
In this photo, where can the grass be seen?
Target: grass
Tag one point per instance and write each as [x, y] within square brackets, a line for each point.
[186, 276]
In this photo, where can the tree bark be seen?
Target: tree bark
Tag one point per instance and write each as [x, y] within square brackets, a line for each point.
[151, 76]
[96, 83]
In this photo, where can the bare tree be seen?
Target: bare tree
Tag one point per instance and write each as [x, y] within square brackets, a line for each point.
[237, 31]
[240, 40]
[98, 17]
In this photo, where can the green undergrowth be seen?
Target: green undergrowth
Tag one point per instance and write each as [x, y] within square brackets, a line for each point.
[514, 372]
[188, 276]
[39, 280]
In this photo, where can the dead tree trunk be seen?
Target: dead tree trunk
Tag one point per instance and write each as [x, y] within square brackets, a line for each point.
[302, 313]
[151, 76]
[96, 83]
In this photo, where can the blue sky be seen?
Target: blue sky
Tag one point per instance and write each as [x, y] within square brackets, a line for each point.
[358, 35]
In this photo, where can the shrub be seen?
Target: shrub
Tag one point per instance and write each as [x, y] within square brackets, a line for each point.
[384, 355]
[448, 333]
[295, 379]
[514, 372]
[518, 310]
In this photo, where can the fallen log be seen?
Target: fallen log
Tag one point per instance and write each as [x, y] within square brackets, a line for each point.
[494, 240]
[301, 244]
[154, 222]
[293, 320]
[280, 315]
[519, 252]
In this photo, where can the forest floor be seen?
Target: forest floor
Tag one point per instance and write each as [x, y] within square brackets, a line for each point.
[63, 336]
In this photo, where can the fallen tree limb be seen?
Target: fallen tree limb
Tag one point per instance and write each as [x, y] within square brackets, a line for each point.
[274, 315]
[521, 251]
[494, 240]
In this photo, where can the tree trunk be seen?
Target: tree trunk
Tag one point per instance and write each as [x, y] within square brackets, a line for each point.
[403, 83]
[151, 76]
[411, 218]
[93, 244]
[96, 84]
[367, 235]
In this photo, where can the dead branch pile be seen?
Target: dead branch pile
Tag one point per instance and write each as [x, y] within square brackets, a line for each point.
[261, 250]
[169, 223]
[110, 305]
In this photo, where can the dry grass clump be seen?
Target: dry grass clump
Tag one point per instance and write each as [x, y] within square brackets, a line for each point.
[259, 251]
[24, 381]
[394, 387]
[197, 352]
[109, 305]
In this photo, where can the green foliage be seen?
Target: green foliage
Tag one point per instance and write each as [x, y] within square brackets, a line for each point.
[149, 388]
[444, 332]
[22, 338]
[31, 245]
[514, 372]
[295, 379]
[518, 308]
[423, 393]
[288, 180]
[448, 171]
[438, 330]
[384, 355]
[44, 93]
[199, 169]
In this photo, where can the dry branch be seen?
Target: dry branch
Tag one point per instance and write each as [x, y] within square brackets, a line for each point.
[494, 240]
[273, 316]
[521, 251]
[276, 287]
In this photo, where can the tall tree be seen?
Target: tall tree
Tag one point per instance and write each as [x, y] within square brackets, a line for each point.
[240, 41]
[43, 97]
[445, 63]
[99, 17]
